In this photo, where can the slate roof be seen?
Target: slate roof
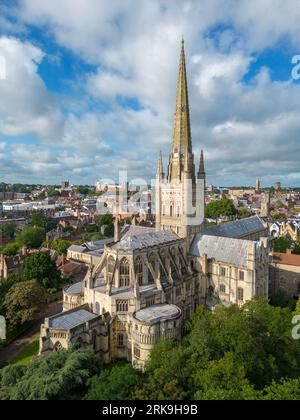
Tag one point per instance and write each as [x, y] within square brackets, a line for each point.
[227, 250]
[237, 229]
[157, 313]
[146, 240]
[131, 230]
[71, 320]
[75, 289]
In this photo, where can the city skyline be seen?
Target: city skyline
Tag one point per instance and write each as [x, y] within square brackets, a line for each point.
[89, 91]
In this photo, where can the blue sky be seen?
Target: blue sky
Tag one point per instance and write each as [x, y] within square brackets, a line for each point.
[90, 88]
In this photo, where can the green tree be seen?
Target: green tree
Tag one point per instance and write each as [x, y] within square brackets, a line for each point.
[10, 249]
[42, 221]
[297, 310]
[281, 299]
[39, 266]
[244, 213]
[223, 379]
[24, 301]
[60, 245]
[8, 230]
[216, 209]
[5, 286]
[31, 237]
[286, 390]
[111, 383]
[281, 245]
[57, 376]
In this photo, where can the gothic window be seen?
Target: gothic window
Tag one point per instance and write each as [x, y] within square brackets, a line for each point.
[240, 294]
[222, 288]
[120, 340]
[97, 308]
[223, 271]
[164, 210]
[122, 306]
[137, 352]
[124, 273]
[110, 268]
[171, 211]
[242, 275]
[178, 211]
[139, 270]
[58, 346]
[150, 301]
[152, 264]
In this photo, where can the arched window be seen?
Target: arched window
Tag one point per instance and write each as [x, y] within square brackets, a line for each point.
[171, 211]
[152, 264]
[240, 294]
[120, 340]
[122, 305]
[124, 273]
[97, 308]
[58, 346]
[139, 270]
[110, 268]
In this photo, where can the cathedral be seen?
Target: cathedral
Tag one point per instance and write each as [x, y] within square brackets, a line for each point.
[148, 281]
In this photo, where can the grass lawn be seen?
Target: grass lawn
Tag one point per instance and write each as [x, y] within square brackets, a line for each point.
[25, 355]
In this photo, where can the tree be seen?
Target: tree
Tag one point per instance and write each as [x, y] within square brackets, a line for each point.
[39, 266]
[216, 209]
[42, 221]
[8, 230]
[56, 376]
[60, 245]
[281, 299]
[297, 310]
[107, 221]
[31, 237]
[24, 301]
[110, 384]
[223, 379]
[10, 249]
[281, 245]
[5, 286]
[244, 213]
[286, 390]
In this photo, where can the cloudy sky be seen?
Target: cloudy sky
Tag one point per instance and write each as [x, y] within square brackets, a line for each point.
[88, 88]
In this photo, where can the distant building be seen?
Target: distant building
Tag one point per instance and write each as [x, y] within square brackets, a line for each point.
[65, 185]
[257, 185]
[285, 273]
[277, 186]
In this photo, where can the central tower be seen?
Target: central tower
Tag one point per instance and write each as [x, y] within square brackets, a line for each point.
[180, 195]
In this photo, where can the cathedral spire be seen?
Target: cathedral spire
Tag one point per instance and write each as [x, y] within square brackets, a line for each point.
[182, 141]
[201, 173]
[160, 167]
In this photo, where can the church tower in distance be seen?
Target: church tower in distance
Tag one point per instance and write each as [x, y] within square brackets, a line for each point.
[180, 196]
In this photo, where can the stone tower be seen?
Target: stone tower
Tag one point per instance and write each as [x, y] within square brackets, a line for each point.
[180, 194]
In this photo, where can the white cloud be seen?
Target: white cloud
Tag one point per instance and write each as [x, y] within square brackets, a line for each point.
[247, 130]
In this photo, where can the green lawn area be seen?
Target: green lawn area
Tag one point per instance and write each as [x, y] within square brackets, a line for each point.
[25, 355]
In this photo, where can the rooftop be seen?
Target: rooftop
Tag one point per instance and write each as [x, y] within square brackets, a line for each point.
[237, 229]
[146, 240]
[227, 250]
[67, 321]
[75, 289]
[286, 259]
[157, 313]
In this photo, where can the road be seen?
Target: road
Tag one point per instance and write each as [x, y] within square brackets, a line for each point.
[12, 349]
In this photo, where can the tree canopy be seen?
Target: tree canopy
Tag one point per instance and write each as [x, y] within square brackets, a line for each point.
[216, 209]
[60, 245]
[56, 376]
[24, 301]
[31, 237]
[39, 266]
